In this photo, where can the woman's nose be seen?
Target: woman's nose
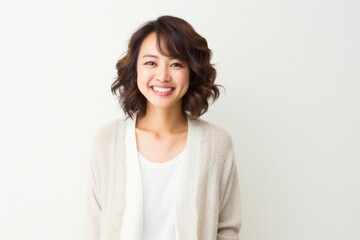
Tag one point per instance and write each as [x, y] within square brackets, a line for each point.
[163, 74]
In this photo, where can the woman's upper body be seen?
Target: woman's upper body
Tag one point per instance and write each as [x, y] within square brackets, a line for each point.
[207, 194]
[165, 81]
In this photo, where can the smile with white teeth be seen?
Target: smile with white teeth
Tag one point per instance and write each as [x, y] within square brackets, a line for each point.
[162, 89]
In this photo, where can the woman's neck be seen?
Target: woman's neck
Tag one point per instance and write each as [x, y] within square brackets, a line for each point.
[163, 121]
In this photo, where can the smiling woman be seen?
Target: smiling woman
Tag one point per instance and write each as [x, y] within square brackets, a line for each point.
[176, 39]
[162, 80]
[161, 172]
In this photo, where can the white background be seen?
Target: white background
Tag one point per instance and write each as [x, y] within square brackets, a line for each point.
[291, 73]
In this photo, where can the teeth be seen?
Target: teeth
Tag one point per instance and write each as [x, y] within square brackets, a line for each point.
[160, 89]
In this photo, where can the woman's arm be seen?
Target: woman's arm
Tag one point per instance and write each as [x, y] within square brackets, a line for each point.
[230, 212]
[93, 215]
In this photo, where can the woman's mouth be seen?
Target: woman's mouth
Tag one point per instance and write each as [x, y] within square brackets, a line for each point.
[162, 91]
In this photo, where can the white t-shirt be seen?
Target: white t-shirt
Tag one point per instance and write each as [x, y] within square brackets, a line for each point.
[159, 184]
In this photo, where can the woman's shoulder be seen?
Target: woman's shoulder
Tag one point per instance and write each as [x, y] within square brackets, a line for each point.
[108, 131]
[212, 131]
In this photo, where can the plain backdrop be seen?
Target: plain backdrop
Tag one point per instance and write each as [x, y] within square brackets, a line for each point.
[291, 73]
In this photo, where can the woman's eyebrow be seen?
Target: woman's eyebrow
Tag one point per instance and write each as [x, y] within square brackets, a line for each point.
[157, 57]
[150, 55]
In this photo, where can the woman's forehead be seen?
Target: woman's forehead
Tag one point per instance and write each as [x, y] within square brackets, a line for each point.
[154, 45]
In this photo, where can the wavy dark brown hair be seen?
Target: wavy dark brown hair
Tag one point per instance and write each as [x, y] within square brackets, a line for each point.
[179, 40]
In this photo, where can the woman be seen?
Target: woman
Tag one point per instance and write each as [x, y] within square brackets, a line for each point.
[161, 172]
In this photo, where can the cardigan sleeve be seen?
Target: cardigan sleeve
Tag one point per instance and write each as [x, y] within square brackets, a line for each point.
[93, 208]
[229, 212]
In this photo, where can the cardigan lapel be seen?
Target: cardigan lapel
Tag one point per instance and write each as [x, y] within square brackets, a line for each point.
[186, 189]
[132, 225]
[185, 199]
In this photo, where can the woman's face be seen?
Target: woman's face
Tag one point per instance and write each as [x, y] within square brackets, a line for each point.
[162, 80]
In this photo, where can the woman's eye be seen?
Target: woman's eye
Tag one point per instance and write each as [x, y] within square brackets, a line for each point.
[150, 63]
[179, 65]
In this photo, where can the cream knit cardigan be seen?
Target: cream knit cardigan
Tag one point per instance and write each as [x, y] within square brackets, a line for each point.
[207, 205]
